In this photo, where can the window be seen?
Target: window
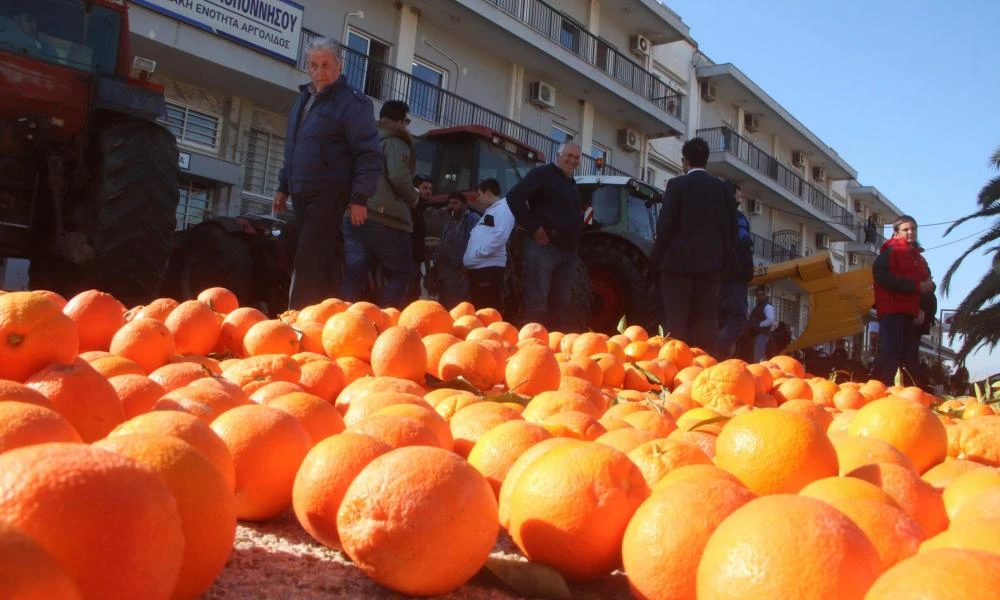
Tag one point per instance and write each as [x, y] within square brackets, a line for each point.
[606, 201]
[191, 126]
[363, 74]
[65, 33]
[650, 176]
[265, 156]
[425, 91]
[641, 217]
[195, 204]
[561, 135]
[599, 151]
[570, 34]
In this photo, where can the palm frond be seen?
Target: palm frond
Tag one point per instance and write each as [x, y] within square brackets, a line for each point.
[979, 329]
[992, 209]
[995, 159]
[987, 290]
[992, 235]
[990, 194]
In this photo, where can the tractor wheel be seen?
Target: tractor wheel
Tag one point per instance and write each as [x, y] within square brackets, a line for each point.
[207, 256]
[133, 199]
[580, 311]
[619, 286]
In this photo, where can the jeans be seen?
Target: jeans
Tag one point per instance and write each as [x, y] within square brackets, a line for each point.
[732, 316]
[486, 287]
[548, 281]
[316, 274]
[691, 308]
[372, 244]
[897, 348]
[760, 346]
[452, 286]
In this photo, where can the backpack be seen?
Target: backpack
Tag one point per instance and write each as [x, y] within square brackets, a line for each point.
[744, 249]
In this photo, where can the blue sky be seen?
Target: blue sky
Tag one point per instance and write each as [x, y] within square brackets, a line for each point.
[906, 91]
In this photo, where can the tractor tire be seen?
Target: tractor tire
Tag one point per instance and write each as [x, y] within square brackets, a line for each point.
[579, 312]
[574, 317]
[619, 286]
[133, 196]
[207, 256]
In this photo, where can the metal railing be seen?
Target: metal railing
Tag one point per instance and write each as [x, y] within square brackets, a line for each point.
[869, 235]
[770, 251]
[572, 36]
[428, 101]
[724, 138]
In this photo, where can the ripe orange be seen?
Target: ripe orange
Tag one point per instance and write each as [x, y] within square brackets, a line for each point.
[274, 389]
[145, 341]
[426, 415]
[576, 424]
[974, 534]
[427, 505]
[775, 451]
[624, 439]
[854, 452]
[894, 533]
[109, 521]
[366, 406]
[137, 393]
[427, 317]
[24, 424]
[254, 372]
[696, 473]
[664, 540]
[370, 385]
[944, 574]
[271, 337]
[205, 503]
[176, 375]
[28, 572]
[661, 425]
[322, 480]
[495, 452]
[318, 416]
[535, 331]
[570, 506]
[235, 326]
[82, 395]
[400, 352]
[676, 352]
[97, 316]
[915, 496]
[469, 424]
[532, 370]
[219, 299]
[397, 431]
[508, 333]
[472, 361]
[658, 457]
[349, 334]
[157, 309]
[33, 333]
[909, 426]
[792, 389]
[195, 327]
[985, 505]
[967, 487]
[942, 475]
[977, 439]
[489, 315]
[323, 378]
[518, 468]
[12, 391]
[703, 440]
[760, 551]
[849, 398]
[549, 403]
[833, 490]
[267, 446]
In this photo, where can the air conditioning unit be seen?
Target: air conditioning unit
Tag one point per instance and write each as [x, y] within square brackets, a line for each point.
[708, 91]
[822, 241]
[641, 45]
[543, 94]
[799, 158]
[819, 174]
[858, 206]
[629, 140]
[853, 259]
[751, 122]
[754, 206]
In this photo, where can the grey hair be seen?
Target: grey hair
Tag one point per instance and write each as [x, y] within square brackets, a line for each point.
[562, 147]
[324, 44]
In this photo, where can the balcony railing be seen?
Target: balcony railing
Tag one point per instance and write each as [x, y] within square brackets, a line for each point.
[428, 101]
[552, 24]
[770, 251]
[723, 138]
[869, 235]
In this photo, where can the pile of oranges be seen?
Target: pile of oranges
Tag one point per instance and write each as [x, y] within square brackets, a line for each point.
[132, 440]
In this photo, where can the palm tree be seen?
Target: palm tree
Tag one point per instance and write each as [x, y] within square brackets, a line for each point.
[977, 317]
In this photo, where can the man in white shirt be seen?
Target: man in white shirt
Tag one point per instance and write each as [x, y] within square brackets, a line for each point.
[762, 323]
[485, 256]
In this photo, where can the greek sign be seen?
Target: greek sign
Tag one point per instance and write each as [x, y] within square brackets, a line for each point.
[269, 26]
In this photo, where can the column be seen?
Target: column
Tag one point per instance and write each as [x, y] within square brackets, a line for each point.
[594, 16]
[586, 126]
[406, 37]
[515, 92]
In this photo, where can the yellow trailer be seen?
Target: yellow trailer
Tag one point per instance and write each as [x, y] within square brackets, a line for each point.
[838, 302]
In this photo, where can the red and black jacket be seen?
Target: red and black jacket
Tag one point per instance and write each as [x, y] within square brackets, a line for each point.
[898, 270]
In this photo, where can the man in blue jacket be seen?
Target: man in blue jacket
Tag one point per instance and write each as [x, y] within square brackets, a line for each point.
[332, 160]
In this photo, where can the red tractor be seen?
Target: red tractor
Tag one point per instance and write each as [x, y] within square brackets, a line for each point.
[88, 179]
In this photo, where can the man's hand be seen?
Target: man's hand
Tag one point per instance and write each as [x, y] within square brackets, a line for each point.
[359, 214]
[280, 202]
[541, 237]
[926, 287]
[919, 320]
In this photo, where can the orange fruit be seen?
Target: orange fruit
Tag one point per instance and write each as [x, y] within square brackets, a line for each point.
[518, 467]
[176, 375]
[849, 398]
[97, 316]
[322, 480]
[676, 352]
[612, 369]
[318, 416]
[943, 574]
[397, 431]
[495, 452]
[471, 361]
[792, 389]
[624, 439]
[703, 440]
[33, 333]
[271, 337]
[465, 324]
[908, 426]
[977, 439]
[833, 490]
[426, 504]
[427, 317]
[12, 391]
[808, 408]
[584, 494]
[219, 299]
[549, 403]
[775, 451]
[985, 505]
[24, 424]
[940, 476]
[763, 379]
[145, 341]
[373, 313]
[665, 538]
[760, 551]
[915, 496]
[894, 533]
[661, 425]
[854, 452]
[323, 378]
[353, 369]
[204, 403]
[366, 406]
[137, 393]
[658, 457]
[82, 395]
[254, 372]
[399, 352]
[267, 446]
[426, 415]
[508, 333]
[205, 503]
[586, 389]
[469, 424]
[158, 309]
[696, 472]
[968, 486]
[274, 389]
[321, 313]
[576, 424]
[371, 385]
[235, 326]
[28, 572]
[109, 521]
[789, 365]
[489, 315]
[535, 331]
[532, 370]
[195, 327]
[349, 334]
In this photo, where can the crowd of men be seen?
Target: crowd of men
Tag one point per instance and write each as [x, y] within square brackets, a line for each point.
[353, 184]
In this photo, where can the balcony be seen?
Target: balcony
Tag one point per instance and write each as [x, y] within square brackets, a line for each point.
[771, 252]
[442, 108]
[874, 200]
[735, 157]
[867, 241]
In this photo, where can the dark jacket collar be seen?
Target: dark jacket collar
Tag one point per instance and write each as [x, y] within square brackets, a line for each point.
[389, 128]
[340, 83]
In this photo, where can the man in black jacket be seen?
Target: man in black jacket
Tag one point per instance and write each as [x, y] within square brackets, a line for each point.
[695, 239]
[546, 204]
[332, 159]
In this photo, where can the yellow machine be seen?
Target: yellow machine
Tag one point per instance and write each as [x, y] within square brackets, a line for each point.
[838, 302]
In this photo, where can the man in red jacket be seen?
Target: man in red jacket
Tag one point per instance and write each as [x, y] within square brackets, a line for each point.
[901, 277]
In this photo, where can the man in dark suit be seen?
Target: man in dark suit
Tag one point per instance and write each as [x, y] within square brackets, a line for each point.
[695, 239]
